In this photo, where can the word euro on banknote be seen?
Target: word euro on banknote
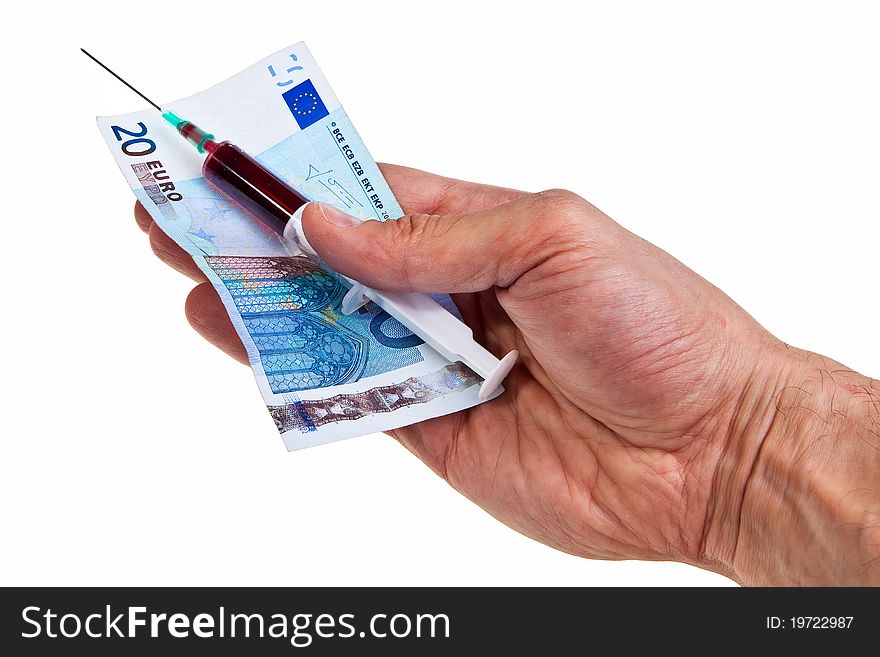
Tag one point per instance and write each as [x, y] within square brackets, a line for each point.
[323, 375]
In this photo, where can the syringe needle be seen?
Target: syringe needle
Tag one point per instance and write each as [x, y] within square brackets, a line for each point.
[104, 66]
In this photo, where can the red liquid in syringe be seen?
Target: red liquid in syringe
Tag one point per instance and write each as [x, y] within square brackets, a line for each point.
[242, 178]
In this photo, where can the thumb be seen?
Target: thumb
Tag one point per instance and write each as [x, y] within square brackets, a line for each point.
[445, 253]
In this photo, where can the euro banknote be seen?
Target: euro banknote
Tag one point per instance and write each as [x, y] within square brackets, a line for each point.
[323, 375]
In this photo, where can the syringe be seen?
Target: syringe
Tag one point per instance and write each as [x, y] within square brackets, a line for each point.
[279, 206]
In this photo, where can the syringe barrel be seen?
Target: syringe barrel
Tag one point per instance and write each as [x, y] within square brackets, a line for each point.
[251, 185]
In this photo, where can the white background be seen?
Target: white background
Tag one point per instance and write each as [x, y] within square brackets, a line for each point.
[744, 141]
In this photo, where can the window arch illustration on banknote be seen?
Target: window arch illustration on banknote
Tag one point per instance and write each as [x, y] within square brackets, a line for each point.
[288, 306]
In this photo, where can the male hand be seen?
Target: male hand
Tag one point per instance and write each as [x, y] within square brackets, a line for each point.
[649, 417]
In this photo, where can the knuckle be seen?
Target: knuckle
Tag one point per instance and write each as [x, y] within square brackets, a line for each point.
[564, 229]
[560, 211]
[142, 217]
[408, 244]
[406, 237]
[196, 303]
[559, 201]
[410, 230]
[159, 244]
[393, 245]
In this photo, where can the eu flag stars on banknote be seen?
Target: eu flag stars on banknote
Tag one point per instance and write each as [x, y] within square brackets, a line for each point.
[323, 375]
[305, 104]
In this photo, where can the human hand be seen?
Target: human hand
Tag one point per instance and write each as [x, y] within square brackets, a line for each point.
[649, 417]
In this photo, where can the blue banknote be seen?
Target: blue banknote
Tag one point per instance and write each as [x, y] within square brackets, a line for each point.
[324, 375]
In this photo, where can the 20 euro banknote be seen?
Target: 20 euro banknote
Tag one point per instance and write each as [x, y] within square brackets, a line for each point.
[323, 375]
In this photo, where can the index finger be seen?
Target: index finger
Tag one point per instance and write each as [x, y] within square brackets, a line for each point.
[142, 217]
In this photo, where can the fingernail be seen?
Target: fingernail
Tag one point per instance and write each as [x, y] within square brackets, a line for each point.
[294, 235]
[337, 217]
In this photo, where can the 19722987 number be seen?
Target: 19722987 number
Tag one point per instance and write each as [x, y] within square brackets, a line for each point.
[810, 622]
[821, 622]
